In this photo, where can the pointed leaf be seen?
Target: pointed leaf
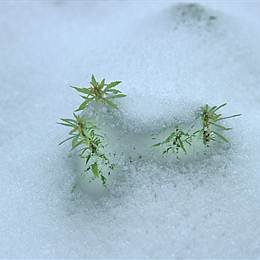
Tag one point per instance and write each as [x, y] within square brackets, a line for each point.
[82, 106]
[113, 84]
[65, 140]
[217, 108]
[82, 90]
[222, 118]
[221, 136]
[156, 145]
[118, 96]
[65, 124]
[93, 81]
[182, 146]
[94, 169]
[103, 179]
[102, 84]
[110, 103]
[221, 126]
[75, 145]
[113, 90]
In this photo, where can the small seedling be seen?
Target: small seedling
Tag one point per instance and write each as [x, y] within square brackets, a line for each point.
[211, 125]
[90, 146]
[177, 140]
[209, 131]
[100, 92]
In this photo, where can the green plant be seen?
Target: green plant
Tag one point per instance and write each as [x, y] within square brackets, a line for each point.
[89, 143]
[83, 133]
[175, 141]
[210, 130]
[90, 146]
[100, 92]
[211, 125]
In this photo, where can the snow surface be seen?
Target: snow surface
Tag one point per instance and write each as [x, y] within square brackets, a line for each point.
[172, 58]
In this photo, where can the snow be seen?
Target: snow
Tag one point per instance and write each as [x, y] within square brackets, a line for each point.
[204, 206]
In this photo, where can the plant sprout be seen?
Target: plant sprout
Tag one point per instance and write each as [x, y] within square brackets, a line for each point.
[89, 143]
[210, 130]
[177, 140]
[83, 135]
[100, 92]
[211, 125]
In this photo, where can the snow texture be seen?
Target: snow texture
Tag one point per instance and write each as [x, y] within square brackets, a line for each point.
[172, 58]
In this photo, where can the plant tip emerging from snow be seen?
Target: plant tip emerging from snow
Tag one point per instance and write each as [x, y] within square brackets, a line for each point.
[84, 134]
[177, 140]
[210, 130]
[90, 144]
[85, 137]
[211, 125]
[101, 92]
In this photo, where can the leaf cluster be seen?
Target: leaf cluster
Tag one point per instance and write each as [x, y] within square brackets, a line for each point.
[211, 124]
[89, 146]
[101, 92]
[176, 141]
[211, 130]
[83, 133]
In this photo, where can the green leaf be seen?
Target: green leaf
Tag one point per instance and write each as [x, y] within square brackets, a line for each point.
[65, 124]
[213, 108]
[68, 120]
[221, 136]
[75, 145]
[113, 84]
[110, 103]
[217, 108]
[221, 126]
[222, 118]
[118, 96]
[167, 150]
[103, 179]
[82, 106]
[113, 90]
[65, 140]
[83, 90]
[94, 169]
[75, 140]
[82, 151]
[156, 145]
[93, 81]
[171, 137]
[102, 84]
[87, 97]
[182, 146]
[73, 130]
[87, 159]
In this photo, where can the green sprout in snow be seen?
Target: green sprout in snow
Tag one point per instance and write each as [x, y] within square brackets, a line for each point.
[177, 140]
[101, 92]
[210, 131]
[90, 146]
[211, 124]
[83, 134]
